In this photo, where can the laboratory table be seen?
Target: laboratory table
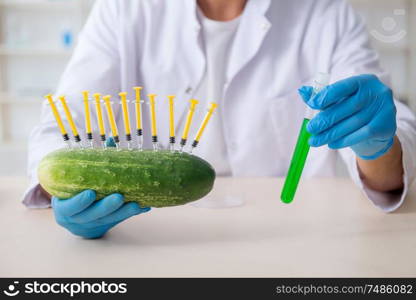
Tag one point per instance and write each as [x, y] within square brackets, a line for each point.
[242, 229]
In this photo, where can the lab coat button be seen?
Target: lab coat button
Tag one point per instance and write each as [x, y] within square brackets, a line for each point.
[188, 90]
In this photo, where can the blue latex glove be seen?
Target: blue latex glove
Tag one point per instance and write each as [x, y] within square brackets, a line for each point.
[357, 112]
[110, 142]
[85, 217]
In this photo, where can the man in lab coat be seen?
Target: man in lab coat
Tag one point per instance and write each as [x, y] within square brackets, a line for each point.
[250, 56]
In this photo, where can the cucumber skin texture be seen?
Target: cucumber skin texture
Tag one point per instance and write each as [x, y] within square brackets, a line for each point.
[153, 179]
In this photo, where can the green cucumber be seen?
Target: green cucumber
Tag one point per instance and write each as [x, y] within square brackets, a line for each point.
[155, 179]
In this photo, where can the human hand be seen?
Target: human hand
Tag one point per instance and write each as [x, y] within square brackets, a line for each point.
[356, 112]
[82, 215]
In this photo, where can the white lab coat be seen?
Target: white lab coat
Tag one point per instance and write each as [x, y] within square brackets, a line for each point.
[279, 46]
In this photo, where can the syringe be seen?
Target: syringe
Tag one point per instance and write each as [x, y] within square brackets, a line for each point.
[204, 125]
[100, 119]
[139, 125]
[152, 100]
[188, 123]
[126, 118]
[58, 119]
[302, 146]
[71, 122]
[111, 119]
[88, 127]
[172, 137]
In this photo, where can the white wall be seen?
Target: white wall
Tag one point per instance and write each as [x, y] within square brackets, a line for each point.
[33, 53]
[392, 27]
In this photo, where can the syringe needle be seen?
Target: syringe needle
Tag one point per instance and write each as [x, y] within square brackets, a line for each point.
[70, 120]
[302, 147]
[100, 119]
[188, 123]
[111, 119]
[139, 125]
[58, 119]
[126, 118]
[88, 127]
[204, 125]
[152, 99]
[172, 137]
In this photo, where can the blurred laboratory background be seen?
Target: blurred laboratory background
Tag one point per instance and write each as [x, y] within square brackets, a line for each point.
[37, 38]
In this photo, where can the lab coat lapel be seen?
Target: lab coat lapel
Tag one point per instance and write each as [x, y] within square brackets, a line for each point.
[194, 56]
[254, 26]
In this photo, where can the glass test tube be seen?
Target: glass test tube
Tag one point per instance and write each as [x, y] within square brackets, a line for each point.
[302, 146]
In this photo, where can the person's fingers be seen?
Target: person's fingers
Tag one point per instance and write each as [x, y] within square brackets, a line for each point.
[344, 128]
[110, 142]
[377, 130]
[99, 209]
[126, 211]
[335, 93]
[74, 205]
[335, 114]
[305, 92]
[352, 139]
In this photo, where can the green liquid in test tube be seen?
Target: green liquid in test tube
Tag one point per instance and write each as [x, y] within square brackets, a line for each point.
[302, 147]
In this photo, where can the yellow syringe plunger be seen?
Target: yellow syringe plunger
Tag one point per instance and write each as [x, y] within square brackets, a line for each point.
[188, 121]
[88, 127]
[152, 100]
[57, 117]
[172, 118]
[204, 124]
[100, 119]
[126, 115]
[70, 119]
[111, 119]
[138, 107]
[138, 90]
